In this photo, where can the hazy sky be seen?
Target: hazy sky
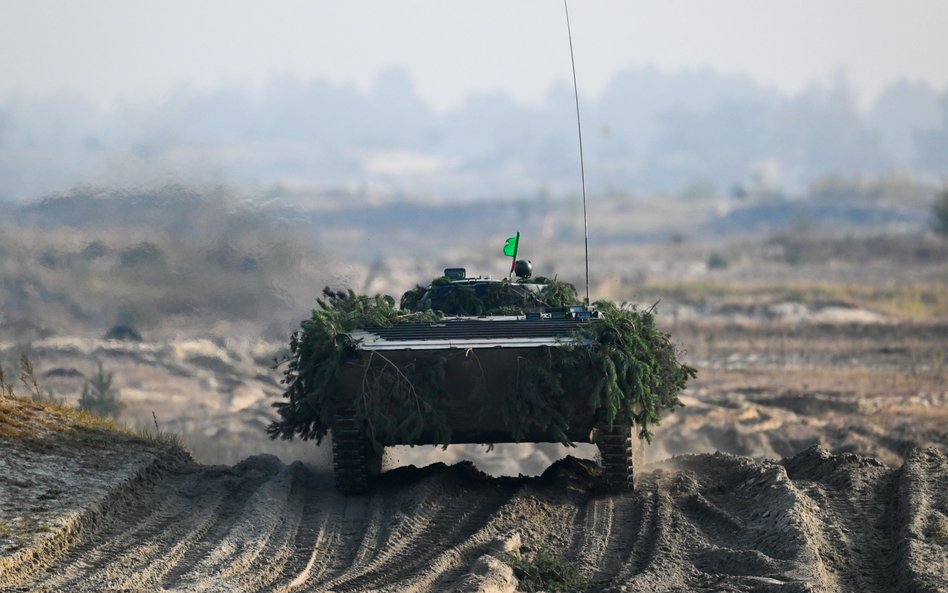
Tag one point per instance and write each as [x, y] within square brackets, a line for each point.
[109, 49]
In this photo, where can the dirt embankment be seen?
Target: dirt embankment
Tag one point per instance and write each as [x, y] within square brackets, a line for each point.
[711, 522]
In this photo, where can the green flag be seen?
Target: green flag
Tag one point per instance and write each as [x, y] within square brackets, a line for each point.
[510, 248]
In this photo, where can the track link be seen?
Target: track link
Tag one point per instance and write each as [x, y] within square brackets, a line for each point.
[616, 449]
[353, 459]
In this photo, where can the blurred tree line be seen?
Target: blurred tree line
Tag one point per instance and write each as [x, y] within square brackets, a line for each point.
[648, 131]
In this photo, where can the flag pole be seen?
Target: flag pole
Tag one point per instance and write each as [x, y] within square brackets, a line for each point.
[513, 264]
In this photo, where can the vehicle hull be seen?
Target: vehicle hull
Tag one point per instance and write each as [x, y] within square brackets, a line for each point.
[476, 383]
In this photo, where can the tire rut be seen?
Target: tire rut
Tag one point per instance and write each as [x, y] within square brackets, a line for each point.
[922, 531]
[311, 553]
[120, 543]
[648, 520]
[591, 530]
[304, 553]
[426, 518]
[856, 502]
[610, 526]
[182, 543]
[175, 552]
[231, 548]
[383, 542]
[472, 528]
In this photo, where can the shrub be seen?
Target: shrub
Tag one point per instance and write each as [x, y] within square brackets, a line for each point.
[144, 254]
[940, 213]
[716, 261]
[123, 332]
[546, 572]
[99, 397]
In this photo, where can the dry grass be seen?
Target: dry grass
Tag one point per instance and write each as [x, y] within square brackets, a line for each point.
[918, 301]
[25, 418]
[879, 385]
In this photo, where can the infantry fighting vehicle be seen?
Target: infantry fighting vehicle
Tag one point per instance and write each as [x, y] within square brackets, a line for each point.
[479, 357]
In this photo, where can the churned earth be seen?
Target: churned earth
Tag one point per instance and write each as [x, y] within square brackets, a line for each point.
[710, 522]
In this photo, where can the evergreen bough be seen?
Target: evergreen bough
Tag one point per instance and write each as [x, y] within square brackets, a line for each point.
[318, 351]
[638, 374]
[497, 298]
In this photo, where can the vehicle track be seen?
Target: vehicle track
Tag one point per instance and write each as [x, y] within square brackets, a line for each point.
[813, 522]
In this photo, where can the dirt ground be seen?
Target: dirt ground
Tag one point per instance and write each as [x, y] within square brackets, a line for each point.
[709, 522]
[810, 456]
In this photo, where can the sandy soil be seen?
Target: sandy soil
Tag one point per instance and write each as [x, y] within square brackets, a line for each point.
[811, 522]
[811, 456]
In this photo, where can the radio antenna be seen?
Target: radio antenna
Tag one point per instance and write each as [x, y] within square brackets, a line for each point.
[579, 130]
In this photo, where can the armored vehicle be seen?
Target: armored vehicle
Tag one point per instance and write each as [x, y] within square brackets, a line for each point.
[479, 361]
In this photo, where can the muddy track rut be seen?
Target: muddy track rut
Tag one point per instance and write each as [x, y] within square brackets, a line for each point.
[813, 522]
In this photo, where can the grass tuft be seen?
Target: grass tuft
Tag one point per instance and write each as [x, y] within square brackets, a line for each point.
[546, 572]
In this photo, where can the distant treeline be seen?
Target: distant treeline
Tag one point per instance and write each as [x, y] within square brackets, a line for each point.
[683, 133]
